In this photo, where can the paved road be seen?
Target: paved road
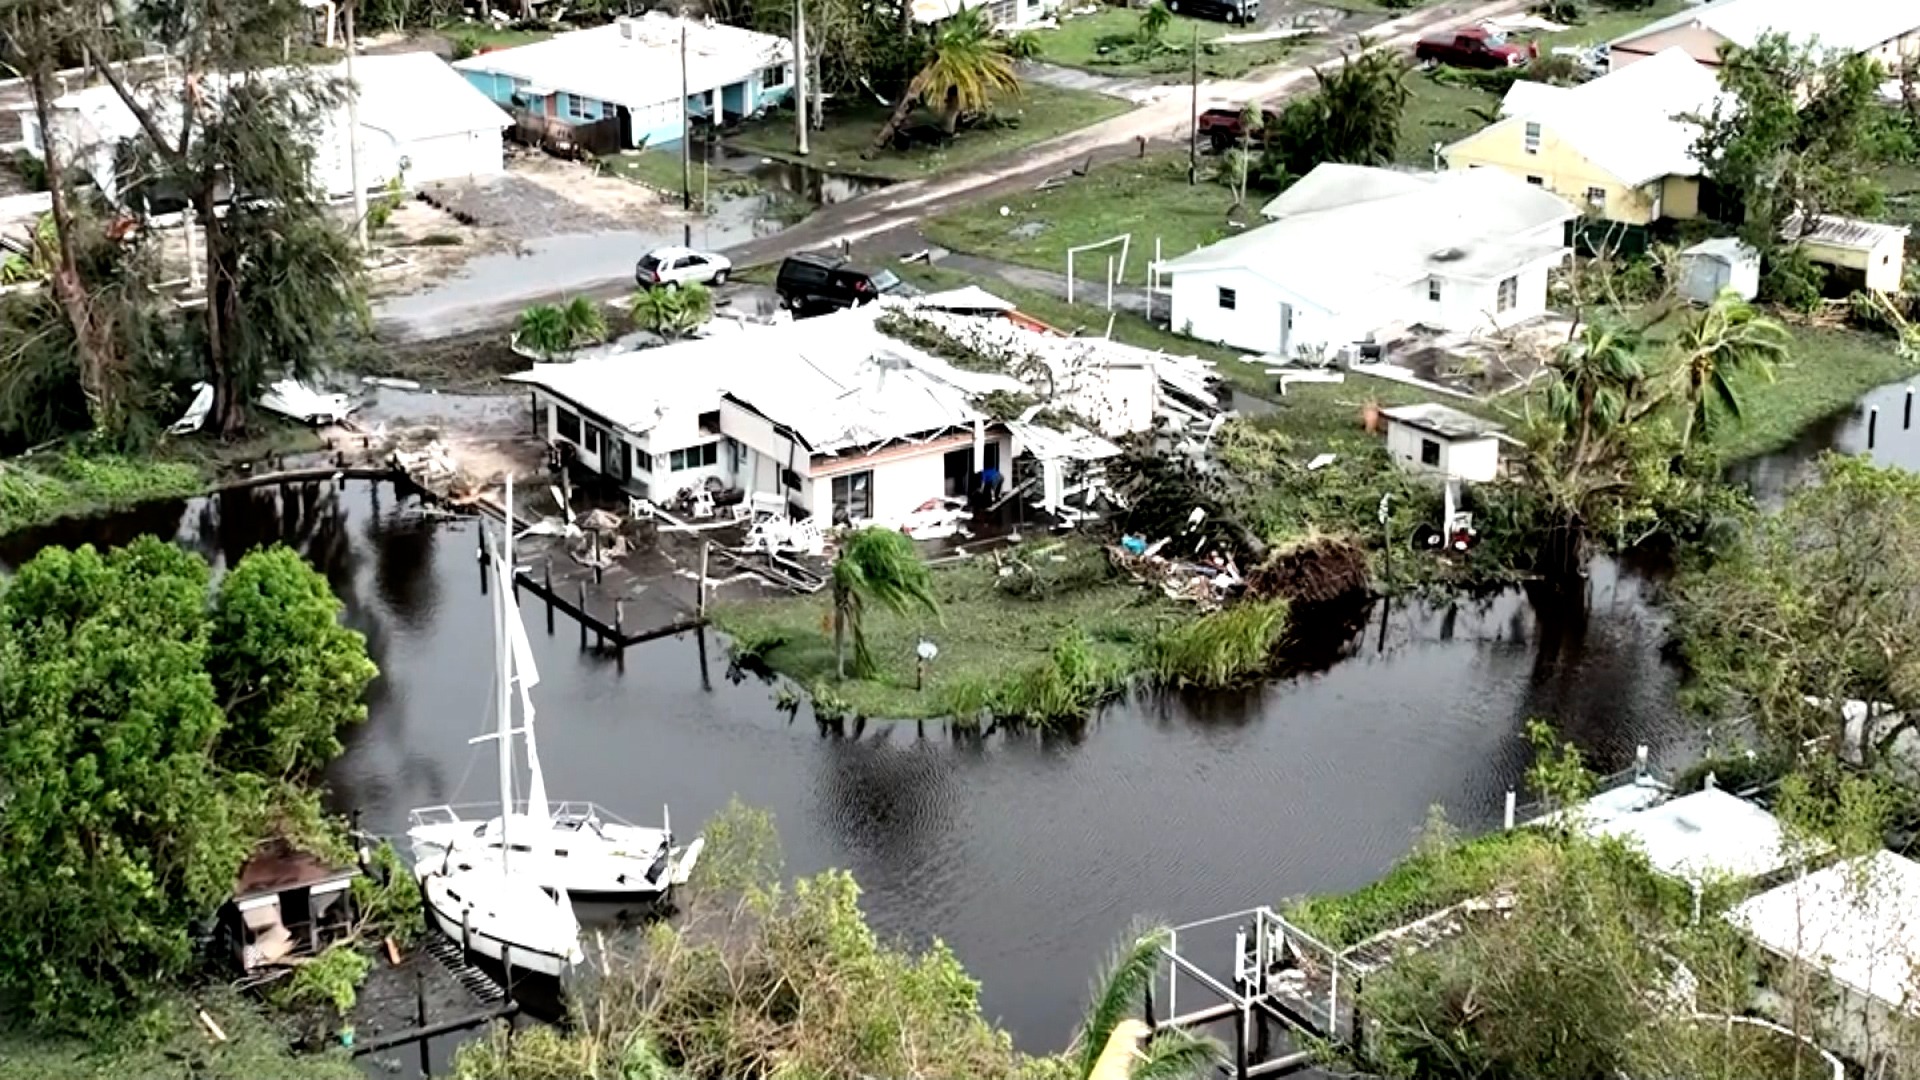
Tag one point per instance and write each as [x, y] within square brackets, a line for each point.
[890, 208]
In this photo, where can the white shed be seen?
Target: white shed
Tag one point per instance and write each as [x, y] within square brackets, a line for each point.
[1443, 440]
[1713, 266]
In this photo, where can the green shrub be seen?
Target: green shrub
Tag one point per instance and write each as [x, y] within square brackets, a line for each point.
[1072, 681]
[1440, 872]
[332, 978]
[1224, 647]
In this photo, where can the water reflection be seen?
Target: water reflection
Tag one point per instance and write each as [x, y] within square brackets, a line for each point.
[1028, 854]
[1883, 413]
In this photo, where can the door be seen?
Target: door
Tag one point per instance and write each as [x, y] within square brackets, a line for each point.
[1286, 331]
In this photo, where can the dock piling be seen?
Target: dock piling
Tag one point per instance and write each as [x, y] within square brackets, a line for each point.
[548, 594]
[420, 1018]
[700, 603]
[1873, 425]
[1507, 820]
[583, 610]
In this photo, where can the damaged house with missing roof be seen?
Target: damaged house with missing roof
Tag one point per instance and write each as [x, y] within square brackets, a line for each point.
[865, 415]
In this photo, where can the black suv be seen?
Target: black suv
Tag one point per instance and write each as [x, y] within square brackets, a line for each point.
[810, 284]
[1243, 12]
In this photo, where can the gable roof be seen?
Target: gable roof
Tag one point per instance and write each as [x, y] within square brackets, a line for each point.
[636, 61]
[1850, 26]
[1848, 233]
[1346, 231]
[410, 95]
[1627, 123]
[1443, 420]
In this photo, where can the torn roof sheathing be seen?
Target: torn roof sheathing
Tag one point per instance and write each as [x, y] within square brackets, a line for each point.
[839, 382]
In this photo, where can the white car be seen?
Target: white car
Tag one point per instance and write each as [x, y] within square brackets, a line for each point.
[678, 265]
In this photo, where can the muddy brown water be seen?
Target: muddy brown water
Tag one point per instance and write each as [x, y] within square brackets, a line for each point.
[1030, 855]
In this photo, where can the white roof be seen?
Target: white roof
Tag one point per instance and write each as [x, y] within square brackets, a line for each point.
[1704, 836]
[636, 62]
[1847, 25]
[1858, 921]
[1728, 249]
[1443, 420]
[836, 381]
[1848, 233]
[408, 96]
[1347, 231]
[1627, 123]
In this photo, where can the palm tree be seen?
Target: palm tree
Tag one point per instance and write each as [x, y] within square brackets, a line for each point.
[1109, 1027]
[967, 68]
[1154, 22]
[672, 310]
[543, 329]
[585, 324]
[881, 566]
[1596, 381]
[1728, 337]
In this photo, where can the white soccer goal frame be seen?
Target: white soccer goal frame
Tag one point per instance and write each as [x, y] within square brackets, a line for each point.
[1125, 240]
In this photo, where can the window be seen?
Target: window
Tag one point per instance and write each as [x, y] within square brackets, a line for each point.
[1429, 453]
[642, 461]
[774, 76]
[566, 424]
[710, 422]
[1228, 299]
[853, 496]
[1537, 181]
[694, 457]
[579, 108]
[1508, 296]
[1533, 137]
[1433, 290]
[1597, 198]
[791, 479]
[592, 445]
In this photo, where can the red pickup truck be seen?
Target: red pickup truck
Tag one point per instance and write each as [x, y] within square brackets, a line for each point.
[1223, 128]
[1473, 47]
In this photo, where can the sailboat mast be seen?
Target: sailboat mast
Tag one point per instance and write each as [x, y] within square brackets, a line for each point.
[503, 666]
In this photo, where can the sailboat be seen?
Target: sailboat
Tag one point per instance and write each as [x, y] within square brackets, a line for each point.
[575, 848]
[494, 906]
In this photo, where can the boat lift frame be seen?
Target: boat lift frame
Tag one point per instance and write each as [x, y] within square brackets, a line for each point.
[1281, 974]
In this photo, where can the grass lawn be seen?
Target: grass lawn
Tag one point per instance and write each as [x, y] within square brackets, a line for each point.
[1438, 113]
[1037, 114]
[1829, 370]
[1604, 24]
[1148, 197]
[64, 483]
[988, 638]
[1102, 43]
[1902, 184]
[481, 37]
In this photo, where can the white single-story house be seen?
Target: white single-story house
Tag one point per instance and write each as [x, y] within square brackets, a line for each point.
[1617, 147]
[1856, 924]
[1713, 266]
[1442, 440]
[1354, 254]
[833, 415]
[1862, 254]
[1883, 29]
[420, 122]
[630, 70]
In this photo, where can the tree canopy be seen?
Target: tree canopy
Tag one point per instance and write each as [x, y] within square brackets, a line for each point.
[1800, 129]
[1352, 117]
[1814, 606]
[147, 723]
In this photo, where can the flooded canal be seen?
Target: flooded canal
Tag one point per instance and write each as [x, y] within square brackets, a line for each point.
[1029, 855]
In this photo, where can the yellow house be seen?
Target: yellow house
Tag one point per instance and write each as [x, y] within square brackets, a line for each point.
[1887, 30]
[1859, 254]
[1615, 147]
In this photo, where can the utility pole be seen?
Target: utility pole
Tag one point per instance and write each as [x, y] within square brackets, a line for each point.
[1193, 120]
[800, 77]
[686, 127]
[353, 139]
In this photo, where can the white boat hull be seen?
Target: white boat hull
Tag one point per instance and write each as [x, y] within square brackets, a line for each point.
[606, 863]
[533, 932]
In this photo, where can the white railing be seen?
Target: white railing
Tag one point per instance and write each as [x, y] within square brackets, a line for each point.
[478, 813]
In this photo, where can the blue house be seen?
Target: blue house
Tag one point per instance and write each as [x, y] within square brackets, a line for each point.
[630, 69]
